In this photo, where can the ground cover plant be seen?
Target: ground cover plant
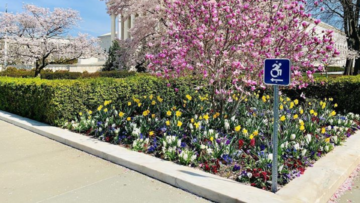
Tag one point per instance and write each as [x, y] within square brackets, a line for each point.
[190, 132]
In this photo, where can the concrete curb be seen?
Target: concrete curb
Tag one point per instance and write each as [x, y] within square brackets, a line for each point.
[318, 183]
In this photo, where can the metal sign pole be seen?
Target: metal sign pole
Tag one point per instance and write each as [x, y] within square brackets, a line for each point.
[275, 140]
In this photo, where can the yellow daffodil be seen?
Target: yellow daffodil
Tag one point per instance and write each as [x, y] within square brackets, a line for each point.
[312, 111]
[167, 123]
[245, 131]
[302, 128]
[146, 113]
[238, 128]
[151, 133]
[251, 137]
[323, 130]
[80, 114]
[296, 102]
[121, 114]
[179, 123]
[263, 99]
[90, 112]
[192, 120]
[100, 107]
[178, 113]
[160, 99]
[168, 113]
[288, 99]
[129, 103]
[188, 97]
[292, 105]
[281, 107]
[301, 111]
[128, 119]
[335, 105]
[295, 116]
[206, 117]
[105, 110]
[256, 133]
[153, 115]
[282, 118]
[153, 102]
[315, 114]
[107, 103]
[333, 113]
[331, 99]
[327, 140]
[211, 138]
[151, 97]
[197, 125]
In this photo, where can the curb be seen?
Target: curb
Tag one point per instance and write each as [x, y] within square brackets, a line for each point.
[318, 184]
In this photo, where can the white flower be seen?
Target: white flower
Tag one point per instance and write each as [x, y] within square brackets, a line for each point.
[185, 156]
[209, 151]
[308, 138]
[232, 118]
[336, 128]
[329, 128]
[173, 138]
[281, 168]
[135, 143]
[297, 146]
[113, 125]
[106, 124]
[216, 135]
[321, 149]
[164, 143]
[331, 121]
[202, 146]
[179, 142]
[211, 131]
[334, 139]
[270, 157]
[326, 148]
[249, 175]
[193, 157]
[191, 126]
[147, 141]
[227, 125]
[100, 129]
[303, 152]
[292, 137]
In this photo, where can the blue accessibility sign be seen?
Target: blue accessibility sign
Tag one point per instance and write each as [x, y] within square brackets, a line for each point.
[277, 72]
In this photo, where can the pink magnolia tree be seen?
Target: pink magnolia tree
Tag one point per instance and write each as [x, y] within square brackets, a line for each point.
[226, 42]
[38, 36]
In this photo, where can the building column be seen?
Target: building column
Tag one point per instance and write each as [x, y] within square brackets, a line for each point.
[132, 22]
[113, 27]
[126, 28]
[120, 27]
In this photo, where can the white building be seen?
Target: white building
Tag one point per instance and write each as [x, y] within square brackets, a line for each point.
[120, 30]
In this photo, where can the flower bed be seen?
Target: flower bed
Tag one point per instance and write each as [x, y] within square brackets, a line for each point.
[237, 147]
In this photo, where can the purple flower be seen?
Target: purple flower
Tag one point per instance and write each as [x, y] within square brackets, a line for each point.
[236, 167]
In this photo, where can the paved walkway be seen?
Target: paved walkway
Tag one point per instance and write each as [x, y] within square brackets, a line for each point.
[36, 169]
[352, 195]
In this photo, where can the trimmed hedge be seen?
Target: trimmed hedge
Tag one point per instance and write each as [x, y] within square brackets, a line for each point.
[17, 73]
[345, 90]
[74, 75]
[55, 101]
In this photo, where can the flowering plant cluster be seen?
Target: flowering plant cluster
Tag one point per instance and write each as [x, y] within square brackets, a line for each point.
[239, 147]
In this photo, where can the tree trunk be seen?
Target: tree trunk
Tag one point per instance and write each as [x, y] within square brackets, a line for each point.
[349, 67]
[357, 66]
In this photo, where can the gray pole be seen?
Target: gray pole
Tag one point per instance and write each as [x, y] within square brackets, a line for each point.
[275, 140]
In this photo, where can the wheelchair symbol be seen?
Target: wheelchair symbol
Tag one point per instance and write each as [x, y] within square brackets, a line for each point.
[276, 72]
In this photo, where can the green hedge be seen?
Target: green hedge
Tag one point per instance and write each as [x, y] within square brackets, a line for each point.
[55, 101]
[345, 90]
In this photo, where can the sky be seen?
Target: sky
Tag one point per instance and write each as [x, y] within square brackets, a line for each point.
[95, 21]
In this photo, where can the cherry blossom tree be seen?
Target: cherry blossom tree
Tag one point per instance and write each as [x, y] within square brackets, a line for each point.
[38, 36]
[227, 42]
[145, 34]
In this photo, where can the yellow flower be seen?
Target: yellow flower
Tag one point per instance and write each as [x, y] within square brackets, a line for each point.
[323, 130]
[267, 97]
[315, 114]
[335, 105]
[107, 103]
[288, 99]
[245, 131]
[145, 113]
[188, 97]
[281, 107]
[174, 108]
[129, 103]
[331, 99]
[139, 104]
[192, 120]
[256, 133]
[323, 106]
[151, 133]
[238, 128]
[178, 113]
[263, 99]
[168, 113]
[312, 111]
[251, 137]
[281, 99]
[153, 115]
[211, 138]
[128, 119]
[302, 128]
[296, 102]
[200, 118]
[100, 107]
[333, 113]
[206, 117]
[197, 125]
[80, 114]
[310, 103]
[327, 140]
[159, 99]
[282, 118]
[105, 110]
[301, 111]
[90, 112]
[179, 124]
[151, 97]
[153, 102]
[295, 116]
[121, 114]
[167, 123]
[291, 105]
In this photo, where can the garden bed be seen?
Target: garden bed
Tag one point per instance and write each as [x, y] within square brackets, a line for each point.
[233, 146]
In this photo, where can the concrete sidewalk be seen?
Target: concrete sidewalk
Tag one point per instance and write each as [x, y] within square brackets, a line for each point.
[36, 169]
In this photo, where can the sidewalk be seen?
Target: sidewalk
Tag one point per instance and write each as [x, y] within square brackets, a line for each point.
[36, 169]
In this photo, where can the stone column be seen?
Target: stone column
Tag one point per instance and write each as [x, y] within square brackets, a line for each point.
[120, 27]
[113, 27]
[126, 28]
[132, 22]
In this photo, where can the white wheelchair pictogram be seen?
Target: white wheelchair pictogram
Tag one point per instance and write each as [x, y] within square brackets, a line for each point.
[276, 72]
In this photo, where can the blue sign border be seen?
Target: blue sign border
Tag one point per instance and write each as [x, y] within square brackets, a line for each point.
[289, 72]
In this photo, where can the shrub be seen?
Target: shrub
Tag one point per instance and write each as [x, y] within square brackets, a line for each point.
[58, 100]
[60, 75]
[17, 73]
